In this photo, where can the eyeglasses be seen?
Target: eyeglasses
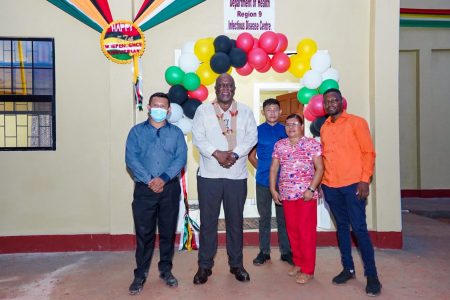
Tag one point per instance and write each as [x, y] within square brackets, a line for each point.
[293, 124]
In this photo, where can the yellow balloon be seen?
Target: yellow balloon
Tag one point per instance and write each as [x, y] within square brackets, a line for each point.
[206, 74]
[299, 65]
[204, 49]
[307, 47]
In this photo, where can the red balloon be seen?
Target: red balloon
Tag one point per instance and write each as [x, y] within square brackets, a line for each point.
[245, 41]
[344, 103]
[282, 43]
[245, 70]
[201, 93]
[268, 41]
[257, 58]
[315, 106]
[265, 68]
[307, 114]
[255, 43]
[280, 62]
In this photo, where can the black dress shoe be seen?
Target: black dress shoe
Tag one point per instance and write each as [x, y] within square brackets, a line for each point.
[136, 286]
[261, 259]
[169, 279]
[287, 257]
[240, 273]
[202, 276]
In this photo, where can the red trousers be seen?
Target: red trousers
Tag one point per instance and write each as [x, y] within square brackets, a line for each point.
[301, 222]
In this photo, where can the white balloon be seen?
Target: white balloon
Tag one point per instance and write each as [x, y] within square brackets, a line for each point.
[330, 73]
[188, 62]
[188, 47]
[176, 113]
[185, 124]
[312, 79]
[302, 83]
[320, 61]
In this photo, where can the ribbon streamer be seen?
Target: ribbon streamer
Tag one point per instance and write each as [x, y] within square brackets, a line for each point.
[189, 239]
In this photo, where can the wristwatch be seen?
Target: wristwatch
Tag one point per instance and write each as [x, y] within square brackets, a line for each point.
[310, 189]
[235, 155]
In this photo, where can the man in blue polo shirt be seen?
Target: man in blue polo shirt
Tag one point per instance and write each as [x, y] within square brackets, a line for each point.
[260, 157]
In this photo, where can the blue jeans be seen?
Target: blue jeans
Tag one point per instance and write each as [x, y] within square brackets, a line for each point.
[348, 210]
[264, 205]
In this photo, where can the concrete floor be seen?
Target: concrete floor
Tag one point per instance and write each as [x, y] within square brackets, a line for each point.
[421, 270]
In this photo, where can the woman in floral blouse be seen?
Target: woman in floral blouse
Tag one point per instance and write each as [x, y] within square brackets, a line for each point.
[299, 160]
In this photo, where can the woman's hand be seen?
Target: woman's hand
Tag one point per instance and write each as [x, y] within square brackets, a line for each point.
[276, 197]
[308, 195]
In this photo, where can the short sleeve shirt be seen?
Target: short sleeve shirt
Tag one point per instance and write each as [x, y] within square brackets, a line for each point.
[268, 135]
[296, 166]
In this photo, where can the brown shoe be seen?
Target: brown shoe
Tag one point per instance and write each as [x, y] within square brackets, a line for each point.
[303, 278]
[294, 271]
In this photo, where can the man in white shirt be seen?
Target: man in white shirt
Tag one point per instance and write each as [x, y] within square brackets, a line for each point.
[224, 132]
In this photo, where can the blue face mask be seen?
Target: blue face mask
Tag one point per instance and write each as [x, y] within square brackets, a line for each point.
[158, 114]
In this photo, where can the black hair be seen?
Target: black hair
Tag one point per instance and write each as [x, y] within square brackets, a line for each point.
[333, 90]
[271, 101]
[159, 95]
[295, 116]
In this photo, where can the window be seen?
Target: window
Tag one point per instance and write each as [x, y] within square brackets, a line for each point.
[27, 94]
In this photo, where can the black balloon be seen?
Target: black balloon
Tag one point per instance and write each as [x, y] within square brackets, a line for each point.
[313, 130]
[220, 63]
[233, 43]
[190, 106]
[318, 122]
[238, 57]
[222, 43]
[178, 94]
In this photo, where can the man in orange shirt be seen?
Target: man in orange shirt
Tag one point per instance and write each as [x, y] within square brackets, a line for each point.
[348, 156]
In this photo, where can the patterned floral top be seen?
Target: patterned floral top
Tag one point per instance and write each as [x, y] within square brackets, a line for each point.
[297, 166]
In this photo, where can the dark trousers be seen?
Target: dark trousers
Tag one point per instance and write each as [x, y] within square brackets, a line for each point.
[348, 210]
[264, 205]
[211, 192]
[149, 208]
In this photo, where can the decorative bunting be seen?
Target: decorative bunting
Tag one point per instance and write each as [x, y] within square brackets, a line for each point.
[97, 14]
[144, 6]
[124, 41]
[103, 8]
[77, 13]
[177, 7]
[413, 17]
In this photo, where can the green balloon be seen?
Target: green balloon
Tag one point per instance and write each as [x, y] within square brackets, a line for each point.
[174, 75]
[328, 84]
[305, 94]
[191, 81]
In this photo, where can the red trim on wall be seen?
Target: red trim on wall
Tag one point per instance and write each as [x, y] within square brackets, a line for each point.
[425, 193]
[126, 242]
[425, 11]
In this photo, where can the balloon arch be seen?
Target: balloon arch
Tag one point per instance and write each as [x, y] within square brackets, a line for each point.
[201, 62]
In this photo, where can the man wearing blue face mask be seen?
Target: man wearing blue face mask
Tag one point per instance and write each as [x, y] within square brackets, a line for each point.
[156, 152]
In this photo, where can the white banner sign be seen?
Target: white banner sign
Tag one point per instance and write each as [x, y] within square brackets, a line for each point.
[254, 16]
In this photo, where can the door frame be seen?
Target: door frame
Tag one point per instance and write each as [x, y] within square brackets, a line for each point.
[259, 87]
